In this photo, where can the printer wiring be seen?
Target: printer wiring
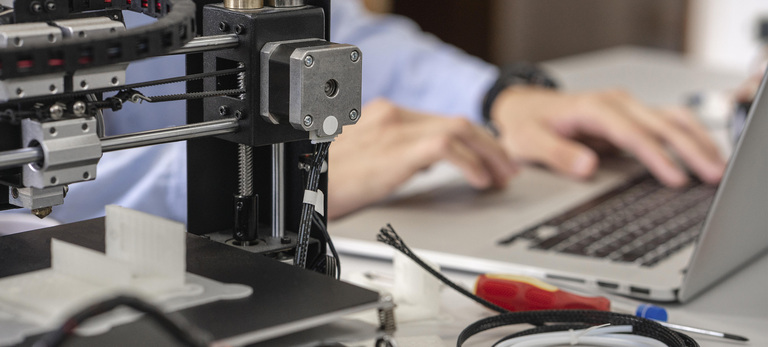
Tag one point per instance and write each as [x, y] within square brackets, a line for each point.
[576, 319]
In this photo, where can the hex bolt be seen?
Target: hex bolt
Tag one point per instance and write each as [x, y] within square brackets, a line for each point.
[224, 27]
[78, 108]
[223, 110]
[309, 60]
[355, 56]
[354, 114]
[308, 120]
[239, 29]
[285, 240]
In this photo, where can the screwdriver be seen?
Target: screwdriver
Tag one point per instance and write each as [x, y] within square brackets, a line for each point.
[522, 293]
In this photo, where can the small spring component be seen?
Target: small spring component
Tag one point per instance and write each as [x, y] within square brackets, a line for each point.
[386, 314]
[245, 166]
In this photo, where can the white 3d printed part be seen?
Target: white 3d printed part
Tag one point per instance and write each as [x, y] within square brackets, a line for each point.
[145, 256]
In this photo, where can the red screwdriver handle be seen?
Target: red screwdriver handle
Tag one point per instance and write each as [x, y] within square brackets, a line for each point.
[520, 293]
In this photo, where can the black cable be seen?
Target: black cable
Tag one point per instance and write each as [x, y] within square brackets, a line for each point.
[321, 226]
[305, 224]
[640, 326]
[389, 236]
[183, 332]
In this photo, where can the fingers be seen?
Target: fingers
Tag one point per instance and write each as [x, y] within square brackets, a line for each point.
[598, 119]
[684, 135]
[471, 148]
[540, 144]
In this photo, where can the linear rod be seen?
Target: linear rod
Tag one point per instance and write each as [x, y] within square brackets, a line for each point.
[23, 156]
[208, 43]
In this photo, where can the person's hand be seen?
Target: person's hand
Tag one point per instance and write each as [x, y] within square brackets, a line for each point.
[369, 160]
[548, 127]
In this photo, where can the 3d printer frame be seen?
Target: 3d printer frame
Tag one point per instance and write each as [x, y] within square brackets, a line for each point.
[263, 86]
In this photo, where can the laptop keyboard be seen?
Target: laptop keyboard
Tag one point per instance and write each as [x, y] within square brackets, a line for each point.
[642, 222]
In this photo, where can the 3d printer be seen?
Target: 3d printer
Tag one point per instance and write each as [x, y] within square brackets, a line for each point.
[264, 85]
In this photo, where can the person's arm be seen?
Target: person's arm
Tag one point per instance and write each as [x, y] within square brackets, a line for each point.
[411, 68]
[416, 70]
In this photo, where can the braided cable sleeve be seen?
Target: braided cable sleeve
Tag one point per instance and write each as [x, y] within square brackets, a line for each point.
[641, 326]
[388, 236]
[305, 224]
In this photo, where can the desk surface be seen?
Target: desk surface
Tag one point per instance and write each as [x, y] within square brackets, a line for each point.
[736, 306]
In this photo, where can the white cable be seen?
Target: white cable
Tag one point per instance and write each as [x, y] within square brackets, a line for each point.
[570, 333]
[608, 336]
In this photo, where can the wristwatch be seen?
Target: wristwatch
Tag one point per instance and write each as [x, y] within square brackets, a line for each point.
[515, 74]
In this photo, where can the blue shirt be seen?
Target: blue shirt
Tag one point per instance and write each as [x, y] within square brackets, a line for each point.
[400, 62]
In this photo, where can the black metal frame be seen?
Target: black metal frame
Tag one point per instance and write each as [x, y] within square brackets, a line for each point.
[212, 162]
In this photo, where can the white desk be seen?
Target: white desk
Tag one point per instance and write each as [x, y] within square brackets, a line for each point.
[736, 306]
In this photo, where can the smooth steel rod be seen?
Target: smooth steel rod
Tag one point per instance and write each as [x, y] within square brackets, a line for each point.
[23, 156]
[180, 133]
[19, 157]
[207, 43]
[278, 190]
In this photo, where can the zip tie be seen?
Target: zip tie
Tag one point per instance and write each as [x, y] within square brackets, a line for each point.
[316, 199]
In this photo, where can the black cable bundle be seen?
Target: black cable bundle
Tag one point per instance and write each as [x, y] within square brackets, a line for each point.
[319, 223]
[575, 318]
[181, 331]
[305, 225]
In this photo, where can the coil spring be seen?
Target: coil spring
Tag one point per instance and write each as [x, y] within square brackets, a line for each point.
[387, 316]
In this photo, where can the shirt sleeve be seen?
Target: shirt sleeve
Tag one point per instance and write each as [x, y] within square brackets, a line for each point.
[410, 67]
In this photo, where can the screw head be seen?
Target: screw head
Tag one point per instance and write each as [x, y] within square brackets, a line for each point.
[78, 108]
[50, 6]
[239, 29]
[239, 114]
[56, 111]
[285, 240]
[223, 26]
[354, 114]
[309, 61]
[354, 56]
[308, 120]
[223, 110]
[15, 193]
[36, 7]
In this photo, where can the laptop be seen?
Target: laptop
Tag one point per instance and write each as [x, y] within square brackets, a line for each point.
[547, 226]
